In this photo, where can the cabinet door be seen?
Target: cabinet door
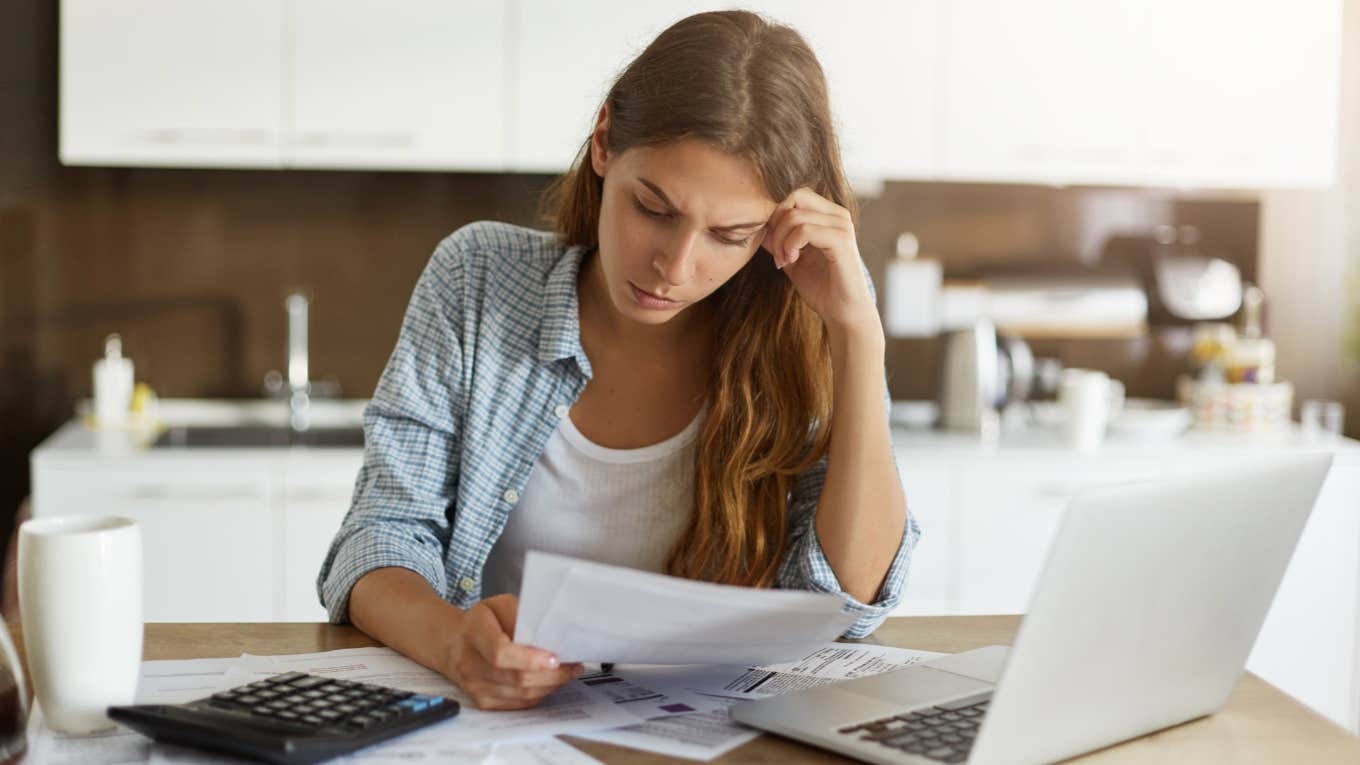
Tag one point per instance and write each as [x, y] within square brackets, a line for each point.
[170, 82]
[567, 54]
[1241, 94]
[881, 60]
[207, 535]
[415, 84]
[929, 490]
[1008, 513]
[316, 495]
[1042, 91]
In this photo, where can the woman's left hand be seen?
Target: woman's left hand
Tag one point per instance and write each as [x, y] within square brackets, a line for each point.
[812, 239]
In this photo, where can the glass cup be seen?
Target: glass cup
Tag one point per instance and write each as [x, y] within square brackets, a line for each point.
[1321, 418]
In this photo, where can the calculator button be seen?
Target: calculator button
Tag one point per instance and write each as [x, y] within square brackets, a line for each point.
[266, 694]
[329, 714]
[287, 715]
[347, 709]
[287, 677]
[337, 698]
[278, 704]
[310, 681]
[313, 720]
[248, 699]
[362, 721]
[313, 694]
[262, 711]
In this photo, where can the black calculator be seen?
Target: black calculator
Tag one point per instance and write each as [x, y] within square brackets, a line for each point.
[293, 718]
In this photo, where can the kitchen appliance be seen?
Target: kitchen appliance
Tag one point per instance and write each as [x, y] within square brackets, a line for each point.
[984, 371]
[972, 381]
[1187, 283]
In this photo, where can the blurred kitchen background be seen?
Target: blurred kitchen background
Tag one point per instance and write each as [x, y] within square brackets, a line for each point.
[1161, 192]
[1111, 182]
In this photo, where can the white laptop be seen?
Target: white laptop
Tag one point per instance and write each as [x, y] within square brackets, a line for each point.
[1143, 616]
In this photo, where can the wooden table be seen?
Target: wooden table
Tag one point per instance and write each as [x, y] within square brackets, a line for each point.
[1259, 724]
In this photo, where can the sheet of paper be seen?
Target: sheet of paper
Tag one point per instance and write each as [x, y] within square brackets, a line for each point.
[709, 732]
[573, 708]
[585, 611]
[160, 682]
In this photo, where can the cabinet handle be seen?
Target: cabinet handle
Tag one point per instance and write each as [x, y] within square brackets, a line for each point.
[208, 137]
[394, 139]
[193, 493]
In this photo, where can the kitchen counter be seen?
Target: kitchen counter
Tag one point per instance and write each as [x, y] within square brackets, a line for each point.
[1039, 442]
[75, 439]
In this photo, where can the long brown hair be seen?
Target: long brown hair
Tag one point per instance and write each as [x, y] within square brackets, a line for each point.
[752, 89]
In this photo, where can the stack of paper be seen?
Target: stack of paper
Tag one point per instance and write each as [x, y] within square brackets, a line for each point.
[678, 711]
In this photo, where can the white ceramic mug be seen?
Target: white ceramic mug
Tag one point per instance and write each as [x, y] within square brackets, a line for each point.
[1089, 399]
[80, 597]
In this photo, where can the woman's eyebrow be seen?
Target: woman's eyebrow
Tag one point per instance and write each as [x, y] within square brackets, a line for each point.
[667, 201]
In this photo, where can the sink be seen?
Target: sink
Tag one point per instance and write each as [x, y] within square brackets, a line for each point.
[256, 436]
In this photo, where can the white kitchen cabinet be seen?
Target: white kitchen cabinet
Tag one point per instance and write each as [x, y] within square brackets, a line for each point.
[417, 84]
[171, 82]
[929, 488]
[1008, 512]
[1042, 91]
[1211, 93]
[315, 496]
[566, 56]
[1241, 94]
[208, 545]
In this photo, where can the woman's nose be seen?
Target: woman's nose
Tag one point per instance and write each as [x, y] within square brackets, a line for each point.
[676, 265]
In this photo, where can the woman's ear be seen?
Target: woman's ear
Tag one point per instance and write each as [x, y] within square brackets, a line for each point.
[599, 153]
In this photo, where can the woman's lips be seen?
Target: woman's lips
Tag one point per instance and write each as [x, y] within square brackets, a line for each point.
[648, 300]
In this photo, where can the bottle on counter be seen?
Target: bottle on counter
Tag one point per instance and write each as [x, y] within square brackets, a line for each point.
[911, 293]
[112, 385]
[1251, 357]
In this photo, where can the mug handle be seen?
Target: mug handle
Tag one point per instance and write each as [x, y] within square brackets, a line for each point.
[1116, 398]
[12, 656]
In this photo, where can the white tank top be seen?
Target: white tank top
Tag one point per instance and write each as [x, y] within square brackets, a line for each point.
[625, 507]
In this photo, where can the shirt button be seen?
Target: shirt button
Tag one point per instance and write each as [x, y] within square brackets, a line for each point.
[467, 584]
[561, 411]
[511, 496]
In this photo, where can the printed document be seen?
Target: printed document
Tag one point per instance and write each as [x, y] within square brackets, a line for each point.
[591, 612]
[709, 732]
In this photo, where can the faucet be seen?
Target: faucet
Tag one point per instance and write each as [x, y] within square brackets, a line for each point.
[299, 389]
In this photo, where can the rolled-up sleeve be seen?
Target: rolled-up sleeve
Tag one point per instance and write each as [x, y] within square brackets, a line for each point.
[399, 513]
[805, 565]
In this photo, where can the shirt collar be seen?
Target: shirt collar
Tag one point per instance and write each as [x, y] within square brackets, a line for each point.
[559, 335]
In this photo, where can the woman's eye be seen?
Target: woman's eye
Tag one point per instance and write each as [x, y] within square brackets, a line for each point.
[647, 211]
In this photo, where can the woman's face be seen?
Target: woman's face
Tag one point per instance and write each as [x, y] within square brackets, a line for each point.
[677, 221]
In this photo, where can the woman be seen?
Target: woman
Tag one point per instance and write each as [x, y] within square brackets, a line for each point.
[686, 376]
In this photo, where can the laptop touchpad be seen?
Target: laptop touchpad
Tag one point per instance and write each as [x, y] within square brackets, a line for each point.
[915, 686]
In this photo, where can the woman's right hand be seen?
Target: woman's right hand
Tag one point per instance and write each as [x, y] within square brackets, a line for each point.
[496, 672]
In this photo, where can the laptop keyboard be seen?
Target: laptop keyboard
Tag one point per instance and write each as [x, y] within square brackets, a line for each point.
[944, 732]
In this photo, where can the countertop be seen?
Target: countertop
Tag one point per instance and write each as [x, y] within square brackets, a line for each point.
[74, 439]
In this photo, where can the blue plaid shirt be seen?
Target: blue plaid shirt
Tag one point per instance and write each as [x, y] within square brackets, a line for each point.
[488, 360]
